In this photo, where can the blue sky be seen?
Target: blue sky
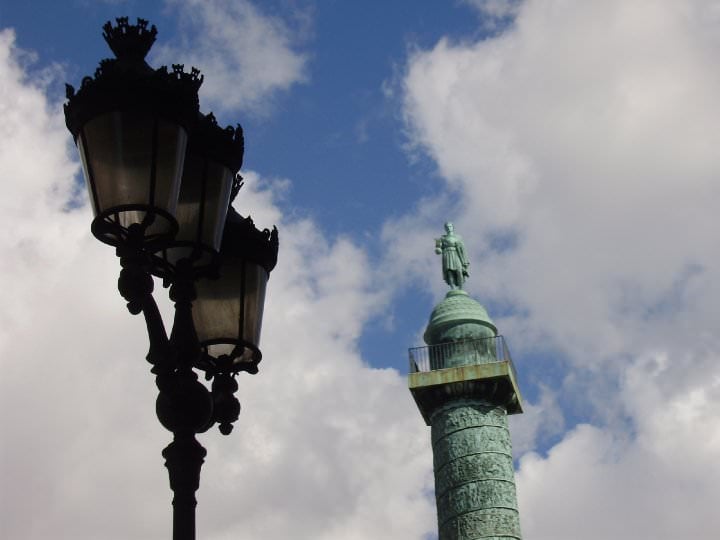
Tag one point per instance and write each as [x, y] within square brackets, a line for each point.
[334, 132]
[574, 146]
[337, 132]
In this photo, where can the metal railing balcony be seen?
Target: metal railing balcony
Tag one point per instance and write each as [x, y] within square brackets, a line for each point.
[460, 353]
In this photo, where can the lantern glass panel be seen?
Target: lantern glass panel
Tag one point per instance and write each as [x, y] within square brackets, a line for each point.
[228, 311]
[201, 211]
[132, 164]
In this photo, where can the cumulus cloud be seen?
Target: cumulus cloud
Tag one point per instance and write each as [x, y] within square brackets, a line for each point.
[658, 482]
[325, 447]
[578, 159]
[537, 423]
[578, 147]
[247, 56]
[592, 159]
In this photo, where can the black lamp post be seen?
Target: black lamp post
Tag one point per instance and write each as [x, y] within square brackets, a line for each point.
[161, 177]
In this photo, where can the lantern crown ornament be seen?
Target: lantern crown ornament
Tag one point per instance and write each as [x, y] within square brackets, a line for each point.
[161, 176]
[129, 41]
[128, 82]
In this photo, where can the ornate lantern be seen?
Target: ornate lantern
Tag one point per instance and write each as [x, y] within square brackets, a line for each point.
[131, 125]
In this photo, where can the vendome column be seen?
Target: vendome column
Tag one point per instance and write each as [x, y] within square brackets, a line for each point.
[465, 385]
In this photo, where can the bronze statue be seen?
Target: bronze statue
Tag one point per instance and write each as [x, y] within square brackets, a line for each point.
[454, 261]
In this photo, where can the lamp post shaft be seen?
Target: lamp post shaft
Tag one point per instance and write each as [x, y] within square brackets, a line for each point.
[184, 458]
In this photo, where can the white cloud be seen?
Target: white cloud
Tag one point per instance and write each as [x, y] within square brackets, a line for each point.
[246, 56]
[594, 154]
[495, 9]
[579, 144]
[537, 423]
[659, 482]
[325, 447]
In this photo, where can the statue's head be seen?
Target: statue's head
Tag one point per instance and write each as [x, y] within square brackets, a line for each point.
[449, 227]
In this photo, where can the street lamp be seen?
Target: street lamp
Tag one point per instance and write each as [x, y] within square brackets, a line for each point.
[161, 176]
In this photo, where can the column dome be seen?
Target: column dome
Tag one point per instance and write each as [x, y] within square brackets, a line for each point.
[458, 318]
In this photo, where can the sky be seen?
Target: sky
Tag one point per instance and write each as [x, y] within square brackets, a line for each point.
[571, 143]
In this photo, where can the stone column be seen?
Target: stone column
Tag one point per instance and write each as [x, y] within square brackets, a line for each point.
[474, 476]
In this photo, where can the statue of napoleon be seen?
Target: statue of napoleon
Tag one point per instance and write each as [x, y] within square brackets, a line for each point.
[454, 261]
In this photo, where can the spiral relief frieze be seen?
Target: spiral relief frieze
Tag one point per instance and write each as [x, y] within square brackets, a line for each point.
[475, 467]
[474, 477]
[492, 524]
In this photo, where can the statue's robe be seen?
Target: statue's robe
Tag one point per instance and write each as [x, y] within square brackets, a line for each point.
[453, 255]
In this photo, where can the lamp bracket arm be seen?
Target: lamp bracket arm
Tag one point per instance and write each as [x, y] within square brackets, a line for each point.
[136, 286]
[157, 335]
[184, 345]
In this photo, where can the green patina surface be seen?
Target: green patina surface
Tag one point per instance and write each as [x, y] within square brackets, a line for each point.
[466, 403]
[431, 389]
[458, 317]
[455, 263]
[463, 373]
[474, 476]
